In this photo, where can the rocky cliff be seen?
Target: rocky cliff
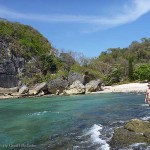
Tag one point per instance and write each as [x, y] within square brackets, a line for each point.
[21, 50]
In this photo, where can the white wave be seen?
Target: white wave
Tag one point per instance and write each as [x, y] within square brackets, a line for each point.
[38, 113]
[144, 105]
[57, 112]
[145, 118]
[75, 147]
[116, 122]
[95, 133]
[148, 148]
[135, 145]
[42, 113]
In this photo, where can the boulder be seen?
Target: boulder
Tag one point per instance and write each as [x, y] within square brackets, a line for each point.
[135, 131]
[55, 85]
[8, 90]
[38, 88]
[73, 76]
[76, 88]
[93, 86]
[41, 93]
[23, 89]
[138, 126]
[88, 77]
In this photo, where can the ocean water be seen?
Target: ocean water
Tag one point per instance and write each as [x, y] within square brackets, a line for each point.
[83, 122]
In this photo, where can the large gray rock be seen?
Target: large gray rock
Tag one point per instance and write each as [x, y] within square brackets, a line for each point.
[38, 88]
[73, 76]
[59, 84]
[24, 89]
[135, 131]
[8, 90]
[8, 81]
[93, 86]
[88, 77]
[76, 88]
[10, 70]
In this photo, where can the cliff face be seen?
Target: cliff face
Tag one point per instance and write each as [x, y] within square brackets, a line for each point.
[7, 74]
[10, 65]
[20, 50]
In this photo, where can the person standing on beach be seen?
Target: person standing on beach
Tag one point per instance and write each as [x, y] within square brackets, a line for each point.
[147, 98]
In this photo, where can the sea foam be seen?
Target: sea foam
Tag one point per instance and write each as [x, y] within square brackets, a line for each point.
[144, 105]
[146, 118]
[135, 146]
[95, 133]
[38, 113]
[42, 113]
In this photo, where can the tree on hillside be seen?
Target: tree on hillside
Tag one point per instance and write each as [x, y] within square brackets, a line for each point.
[143, 72]
[67, 59]
[49, 64]
[130, 68]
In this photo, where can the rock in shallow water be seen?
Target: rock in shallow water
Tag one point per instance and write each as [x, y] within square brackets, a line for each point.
[135, 131]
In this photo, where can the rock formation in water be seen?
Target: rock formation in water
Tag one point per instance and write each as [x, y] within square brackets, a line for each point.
[135, 131]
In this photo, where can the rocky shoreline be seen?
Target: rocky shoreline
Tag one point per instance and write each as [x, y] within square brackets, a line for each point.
[133, 132]
[60, 87]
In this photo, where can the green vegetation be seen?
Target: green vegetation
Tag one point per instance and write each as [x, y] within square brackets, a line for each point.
[130, 74]
[24, 40]
[126, 64]
[142, 72]
[43, 62]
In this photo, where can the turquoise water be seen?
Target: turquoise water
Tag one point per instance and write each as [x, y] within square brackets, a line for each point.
[73, 122]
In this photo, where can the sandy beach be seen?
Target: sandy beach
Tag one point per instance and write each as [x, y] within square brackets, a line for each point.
[125, 88]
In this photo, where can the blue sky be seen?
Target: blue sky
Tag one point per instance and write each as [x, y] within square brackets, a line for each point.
[87, 26]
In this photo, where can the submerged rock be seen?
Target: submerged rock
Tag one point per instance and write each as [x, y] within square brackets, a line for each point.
[135, 131]
[76, 88]
[93, 86]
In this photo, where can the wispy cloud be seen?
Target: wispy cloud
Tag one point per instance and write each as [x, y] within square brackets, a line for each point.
[130, 12]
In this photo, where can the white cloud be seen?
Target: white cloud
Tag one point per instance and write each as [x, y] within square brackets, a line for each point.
[129, 13]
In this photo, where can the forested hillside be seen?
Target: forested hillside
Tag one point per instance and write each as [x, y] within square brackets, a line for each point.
[125, 64]
[24, 54]
[28, 56]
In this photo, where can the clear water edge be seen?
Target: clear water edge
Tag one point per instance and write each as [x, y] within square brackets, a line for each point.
[73, 122]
